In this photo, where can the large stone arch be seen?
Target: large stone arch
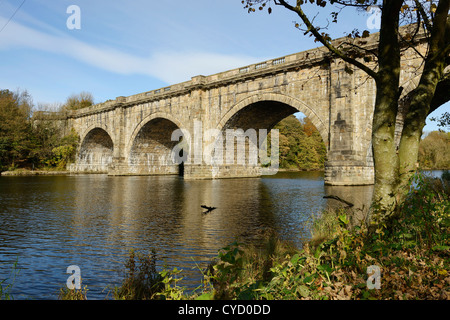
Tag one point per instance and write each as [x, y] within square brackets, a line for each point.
[150, 147]
[96, 150]
[237, 151]
[87, 130]
[146, 120]
[290, 105]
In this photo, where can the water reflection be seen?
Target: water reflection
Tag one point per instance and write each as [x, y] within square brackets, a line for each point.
[359, 196]
[92, 221]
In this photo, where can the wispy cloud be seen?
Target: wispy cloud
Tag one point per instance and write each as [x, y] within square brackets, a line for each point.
[169, 66]
[173, 67]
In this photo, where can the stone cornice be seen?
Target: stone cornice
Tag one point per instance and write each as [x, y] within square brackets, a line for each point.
[268, 68]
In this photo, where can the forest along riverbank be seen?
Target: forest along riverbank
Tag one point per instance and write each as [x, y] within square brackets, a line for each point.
[33, 173]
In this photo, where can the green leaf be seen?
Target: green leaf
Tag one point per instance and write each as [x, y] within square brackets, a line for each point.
[206, 296]
[295, 259]
[343, 218]
[303, 290]
[440, 248]
[325, 267]
[308, 279]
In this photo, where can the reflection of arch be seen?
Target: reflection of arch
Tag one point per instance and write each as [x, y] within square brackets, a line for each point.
[288, 104]
[96, 150]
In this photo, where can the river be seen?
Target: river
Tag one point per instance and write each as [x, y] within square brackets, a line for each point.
[48, 223]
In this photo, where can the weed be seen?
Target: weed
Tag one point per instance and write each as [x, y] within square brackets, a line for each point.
[7, 284]
[142, 281]
[73, 294]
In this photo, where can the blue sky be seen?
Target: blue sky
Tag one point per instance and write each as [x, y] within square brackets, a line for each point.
[128, 47]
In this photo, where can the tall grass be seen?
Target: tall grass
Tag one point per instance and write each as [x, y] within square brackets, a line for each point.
[239, 270]
[142, 281]
[7, 283]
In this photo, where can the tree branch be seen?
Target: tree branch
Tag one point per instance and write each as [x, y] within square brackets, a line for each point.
[310, 28]
[442, 93]
[368, 51]
[424, 15]
[440, 32]
[410, 44]
[352, 4]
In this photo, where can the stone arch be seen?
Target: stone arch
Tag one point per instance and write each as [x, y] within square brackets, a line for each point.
[289, 105]
[96, 150]
[150, 147]
[146, 120]
[86, 131]
[243, 122]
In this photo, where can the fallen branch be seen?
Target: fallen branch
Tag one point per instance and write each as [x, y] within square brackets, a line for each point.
[339, 199]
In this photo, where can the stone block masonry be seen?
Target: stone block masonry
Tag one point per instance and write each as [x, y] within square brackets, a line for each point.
[133, 135]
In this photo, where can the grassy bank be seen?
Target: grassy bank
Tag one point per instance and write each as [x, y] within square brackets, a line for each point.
[411, 256]
[40, 172]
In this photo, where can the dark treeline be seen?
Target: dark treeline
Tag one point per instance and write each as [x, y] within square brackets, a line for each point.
[30, 144]
[434, 151]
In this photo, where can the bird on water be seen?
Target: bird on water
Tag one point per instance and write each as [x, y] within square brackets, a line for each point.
[208, 209]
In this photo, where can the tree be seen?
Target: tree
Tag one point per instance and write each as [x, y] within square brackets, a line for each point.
[46, 136]
[65, 151]
[300, 146]
[30, 140]
[443, 121]
[78, 101]
[393, 168]
[434, 151]
[15, 129]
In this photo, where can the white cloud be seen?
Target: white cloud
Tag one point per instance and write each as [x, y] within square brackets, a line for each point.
[173, 67]
[170, 67]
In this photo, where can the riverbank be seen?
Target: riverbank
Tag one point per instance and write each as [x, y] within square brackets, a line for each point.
[299, 170]
[24, 172]
[407, 260]
[412, 256]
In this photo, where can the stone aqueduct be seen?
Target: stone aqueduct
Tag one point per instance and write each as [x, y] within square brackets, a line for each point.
[132, 135]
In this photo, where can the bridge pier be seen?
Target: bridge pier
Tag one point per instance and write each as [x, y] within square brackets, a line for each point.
[348, 174]
[202, 171]
[336, 174]
[119, 167]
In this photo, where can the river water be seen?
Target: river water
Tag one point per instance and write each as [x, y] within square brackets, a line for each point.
[48, 223]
